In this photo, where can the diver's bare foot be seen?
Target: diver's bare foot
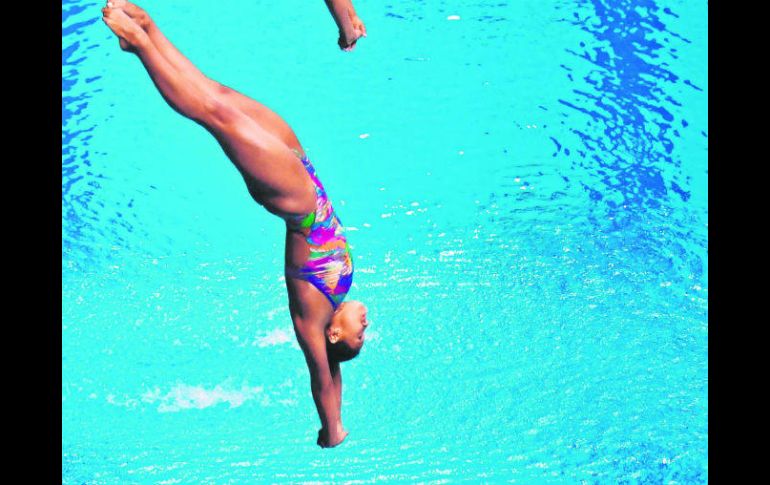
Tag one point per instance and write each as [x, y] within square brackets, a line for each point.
[134, 11]
[129, 32]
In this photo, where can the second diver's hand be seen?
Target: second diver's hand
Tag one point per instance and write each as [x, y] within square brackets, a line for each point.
[348, 39]
[350, 26]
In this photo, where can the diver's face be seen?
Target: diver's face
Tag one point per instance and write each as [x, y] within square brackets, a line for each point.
[354, 323]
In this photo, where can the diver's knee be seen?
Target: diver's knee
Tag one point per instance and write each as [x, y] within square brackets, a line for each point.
[223, 90]
[218, 112]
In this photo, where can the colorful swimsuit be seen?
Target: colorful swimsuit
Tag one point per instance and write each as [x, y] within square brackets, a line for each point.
[329, 266]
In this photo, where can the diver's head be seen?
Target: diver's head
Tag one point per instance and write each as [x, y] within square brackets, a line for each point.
[345, 333]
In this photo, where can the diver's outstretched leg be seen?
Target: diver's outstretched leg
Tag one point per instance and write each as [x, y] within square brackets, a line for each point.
[271, 170]
[260, 113]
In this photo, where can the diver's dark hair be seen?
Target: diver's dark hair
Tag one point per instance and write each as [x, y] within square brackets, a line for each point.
[341, 351]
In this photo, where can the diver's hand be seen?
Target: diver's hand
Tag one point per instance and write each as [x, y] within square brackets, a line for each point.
[330, 440]
[347, 40]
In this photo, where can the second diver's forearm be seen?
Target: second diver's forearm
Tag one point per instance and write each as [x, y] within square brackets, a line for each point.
[343, 12]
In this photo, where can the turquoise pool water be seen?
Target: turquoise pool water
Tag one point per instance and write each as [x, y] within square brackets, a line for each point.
[526, 190]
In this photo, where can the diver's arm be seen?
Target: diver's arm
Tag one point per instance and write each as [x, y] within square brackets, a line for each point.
[350, 26]
[342, 11]
[334, 367]
[311, 340]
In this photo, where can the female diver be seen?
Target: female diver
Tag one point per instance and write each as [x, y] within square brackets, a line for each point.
[278, 175]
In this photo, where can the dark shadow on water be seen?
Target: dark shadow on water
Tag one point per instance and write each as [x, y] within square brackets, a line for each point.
[628, 142]
[85, 219]
[620, 127]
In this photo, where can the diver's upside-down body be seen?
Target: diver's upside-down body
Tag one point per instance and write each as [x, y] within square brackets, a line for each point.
[319, 266]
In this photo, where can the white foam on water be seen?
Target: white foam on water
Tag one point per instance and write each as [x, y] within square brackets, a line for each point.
[277, 337]
[184, 396]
